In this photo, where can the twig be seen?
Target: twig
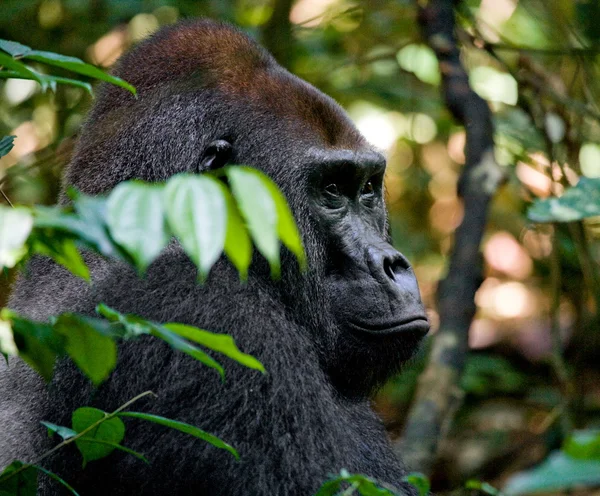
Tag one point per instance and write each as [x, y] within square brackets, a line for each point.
[80, 434]
[6, 198]
[438, 392]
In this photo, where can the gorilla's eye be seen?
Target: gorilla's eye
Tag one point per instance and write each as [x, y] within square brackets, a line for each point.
[332, 189]
[368, 189]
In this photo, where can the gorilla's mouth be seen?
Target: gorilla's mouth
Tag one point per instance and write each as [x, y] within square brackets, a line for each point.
[417, 324]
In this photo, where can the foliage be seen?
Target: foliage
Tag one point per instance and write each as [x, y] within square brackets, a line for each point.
[347, 483]
[11, 54]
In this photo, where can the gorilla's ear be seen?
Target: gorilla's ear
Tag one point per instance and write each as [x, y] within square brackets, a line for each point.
[217, 154]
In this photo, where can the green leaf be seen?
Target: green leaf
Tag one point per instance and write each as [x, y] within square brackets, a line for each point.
[286, 225]
[583, 445]
[259, 210]
[13, 48]
[76, 65]
[62, 431]
[21, 70]
[223, 343]
[197, 215]
[111, 431]
[51, 80]
[58, 479]
[483, 487]
[92, 351]
[238, 246]
[577, 202]
[6, 145]
[362, 484]
[62, 250]
[136, 219]
[15, 226]
[115, 446]
[136, 326]
[182, 427]
[24, 483]
[37, 342]
[133, 326]
[559, 472]
[419, 481]
[182, 345]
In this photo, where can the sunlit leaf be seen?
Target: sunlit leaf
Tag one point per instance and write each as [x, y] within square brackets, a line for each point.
[15, 226]
[223, 343]
[577, 202]
[238, 246]
[136, 219]
[483, 487]
[259, 209]
[286, 225]
[111, 431]
[197, 215]
[182, 427]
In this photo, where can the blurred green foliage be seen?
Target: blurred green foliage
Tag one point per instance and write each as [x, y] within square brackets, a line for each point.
[535, 62]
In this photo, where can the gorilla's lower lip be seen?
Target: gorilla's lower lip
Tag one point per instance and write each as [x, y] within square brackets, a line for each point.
[417, 325]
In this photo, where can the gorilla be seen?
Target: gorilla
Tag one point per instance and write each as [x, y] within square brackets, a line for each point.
[328, 336]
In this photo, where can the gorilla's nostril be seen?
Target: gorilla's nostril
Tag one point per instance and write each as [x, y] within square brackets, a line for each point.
[389, 269]
[392, 266]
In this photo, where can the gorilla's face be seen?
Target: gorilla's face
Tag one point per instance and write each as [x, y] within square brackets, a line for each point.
[335, 188]
[373, 290]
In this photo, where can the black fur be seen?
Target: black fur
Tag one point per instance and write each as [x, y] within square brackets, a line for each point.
[202, 83]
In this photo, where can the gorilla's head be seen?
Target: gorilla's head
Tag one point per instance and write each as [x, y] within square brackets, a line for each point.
[209, 96]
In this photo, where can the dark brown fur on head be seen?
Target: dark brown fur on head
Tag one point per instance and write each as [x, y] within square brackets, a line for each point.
[218, 56]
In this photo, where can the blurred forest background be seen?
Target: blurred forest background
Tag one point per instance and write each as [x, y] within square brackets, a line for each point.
[533, 371]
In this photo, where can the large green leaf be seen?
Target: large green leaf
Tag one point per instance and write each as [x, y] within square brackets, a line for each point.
[559, 472]
[6, 145]
[37, 343]
[238, 246]
[109, 433]
[92, 351]
[136, 220]
[15, 226]
[223, 343]
[259, 209]
[23, 483]
[197, 215]
[286, 225]
[183, 427]
[61, 249]
[577, 202]
[76, 65]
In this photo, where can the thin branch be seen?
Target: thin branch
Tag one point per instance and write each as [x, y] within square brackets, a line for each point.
[438, 392]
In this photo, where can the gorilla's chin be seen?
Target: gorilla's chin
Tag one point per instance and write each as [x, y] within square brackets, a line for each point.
[363, 360]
